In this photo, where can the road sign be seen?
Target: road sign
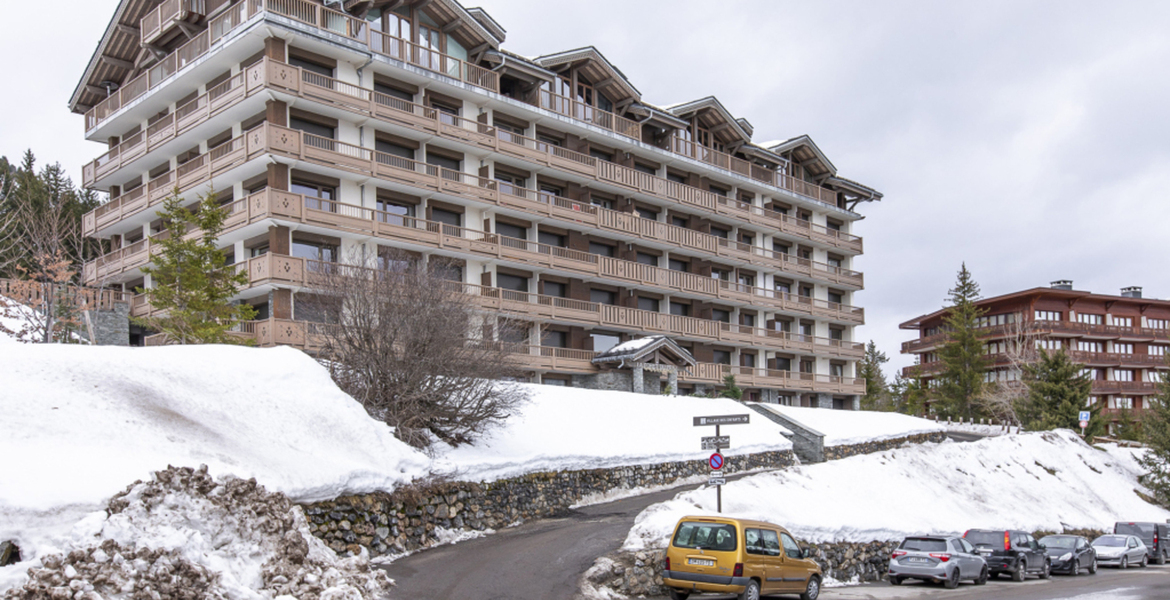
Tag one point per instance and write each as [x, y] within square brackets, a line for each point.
[716, 461]
[716, 442]
[713, 480]
[1084, 424]
[1085, 415]
[721, 420]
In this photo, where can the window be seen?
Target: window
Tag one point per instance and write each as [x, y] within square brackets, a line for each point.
[1121, 402]
[1158, 323]
[747, 280]
[709, 536]
[447, 113]
[603, 297]
[1119, 348]
[747, 360]
[836, 333]
[835, 297]
[1153, 376]
[546, 143]
[1156, 350]
[555, 339]
[1123, 321]
[679, 222]
[781, 248]
[312, 190]
[783, 364]
[512, 231]
[1090, 319]
[723, 274]
[552, 288]
[1049, 346]
[556, 382]
[511, 184]
[720, 233]
[993, 320]
[676, 178]
[721, 357]
[311, 127]
[393, 149]
[1085, 346]
[551, 239]
[783, 287]
[723, 316]
[260, 251]
[600, 249]
[310, 66]
[644, 168]
[747, 320]
[601, 154]
[393, 92]
[679, 309]
[1047, 315]
[511, 282]
[1089, 373]
[550, 190]
[836, 370]
[601, 202]
[679, 265]
[791, 549]
[447, 217]
[647, 213]
[647, 259]
[714, 189]
[314, 251]
[450, 272]
[835, 262]
[649, 304]
[445, 162]
[1122, 375]
[604, 341]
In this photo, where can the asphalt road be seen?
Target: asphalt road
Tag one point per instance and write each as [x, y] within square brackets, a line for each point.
[540, 560]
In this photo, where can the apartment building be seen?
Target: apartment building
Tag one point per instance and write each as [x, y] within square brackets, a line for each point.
[1121, 340]
[343, 129]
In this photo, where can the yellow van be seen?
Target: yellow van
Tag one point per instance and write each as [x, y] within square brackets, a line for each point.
[725, 555]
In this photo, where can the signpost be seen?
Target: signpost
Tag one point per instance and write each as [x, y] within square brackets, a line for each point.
[718, 442]
[1084, 419]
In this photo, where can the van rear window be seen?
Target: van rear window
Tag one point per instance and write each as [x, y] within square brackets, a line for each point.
[1138, 529]
[708, 536]
[985, 538]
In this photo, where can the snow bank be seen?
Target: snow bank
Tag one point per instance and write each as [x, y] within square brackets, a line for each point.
[845, 427]
[80, 422]
[573, 428]
[1032, 481]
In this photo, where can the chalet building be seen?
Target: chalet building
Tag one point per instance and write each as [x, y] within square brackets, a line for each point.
[1121, 340]
[340, 129]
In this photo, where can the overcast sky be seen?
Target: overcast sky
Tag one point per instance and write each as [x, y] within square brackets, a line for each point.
[1029, 139]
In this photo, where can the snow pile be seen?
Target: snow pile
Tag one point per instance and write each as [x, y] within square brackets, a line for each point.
[980, 428]
[845, 427]
[184, 535]
[15, 322]
[79, 422]
[1034, 481]
[573, 428]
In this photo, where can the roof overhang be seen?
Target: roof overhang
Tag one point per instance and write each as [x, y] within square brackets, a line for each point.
[658, 344]
[713, 104]
[591, 54]
[658, 117]
[119, 45]
[802, 150]
[519, 67]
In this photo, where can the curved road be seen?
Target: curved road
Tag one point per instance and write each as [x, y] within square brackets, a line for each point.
[540, 560]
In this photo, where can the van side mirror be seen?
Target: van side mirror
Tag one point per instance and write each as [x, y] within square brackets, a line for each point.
[805, 552]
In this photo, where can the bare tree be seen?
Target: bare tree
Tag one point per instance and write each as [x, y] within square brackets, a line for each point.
[1003, 400]
[408, 343]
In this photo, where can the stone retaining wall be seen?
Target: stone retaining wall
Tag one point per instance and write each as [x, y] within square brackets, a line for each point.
[838, 452]
[406, 520]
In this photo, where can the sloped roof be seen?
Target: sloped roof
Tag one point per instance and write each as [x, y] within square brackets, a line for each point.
[636, 350]
[804, 146]
[713, 103]
[593, 54]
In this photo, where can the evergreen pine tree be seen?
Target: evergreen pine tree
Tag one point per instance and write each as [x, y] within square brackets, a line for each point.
[1057, 390]
[730, 388]
[876, 391]
[908, 396]
[192, 285]
[1156, 435]
[961, 380]
[1127, 427]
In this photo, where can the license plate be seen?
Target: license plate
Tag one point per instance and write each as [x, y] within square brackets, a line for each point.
[700, 562]
[918, 560]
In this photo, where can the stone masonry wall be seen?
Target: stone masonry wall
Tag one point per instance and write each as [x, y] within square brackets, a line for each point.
[838, 452]
[407, 519]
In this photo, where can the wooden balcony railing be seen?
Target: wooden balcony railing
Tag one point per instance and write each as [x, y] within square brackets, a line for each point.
[590, 114]
[164, 17]
[1044, 328]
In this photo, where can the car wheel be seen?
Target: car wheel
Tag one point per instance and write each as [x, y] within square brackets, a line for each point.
[1162, 557]
[895, 581]
[677, 595]
[1021, 570]
[1145, 560]
[1076, 567]
[751, 591]
[1093, 566]
[813, 591]
[952, 582]
[1124, 563]
[1046, 572]
[982, 577]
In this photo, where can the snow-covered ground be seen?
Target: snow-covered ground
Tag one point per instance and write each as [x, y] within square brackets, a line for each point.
[574, 428]
[1032, 481]
[844, 427]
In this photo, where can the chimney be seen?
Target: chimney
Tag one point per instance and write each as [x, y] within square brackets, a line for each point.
[1062, 284]
[1133, 291]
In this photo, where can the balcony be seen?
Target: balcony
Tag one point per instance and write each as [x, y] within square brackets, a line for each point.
[742, 167]
[1134, 388]
[1053, 328]
[167, 16]
[580, 111]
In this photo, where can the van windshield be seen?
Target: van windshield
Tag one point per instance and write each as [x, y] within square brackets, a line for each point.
[708, 536]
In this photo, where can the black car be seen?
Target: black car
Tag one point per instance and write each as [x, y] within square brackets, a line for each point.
[1015, 553]
[1156, 537]
[1070, 554]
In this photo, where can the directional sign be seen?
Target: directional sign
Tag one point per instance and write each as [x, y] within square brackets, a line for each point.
[721, 420]
[716, 442]
[716, 461]
[713, 480]
[1085, 415]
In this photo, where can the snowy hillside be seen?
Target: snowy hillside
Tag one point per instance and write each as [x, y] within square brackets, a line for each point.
[842, 427]
[1037, 481]
[573, 428]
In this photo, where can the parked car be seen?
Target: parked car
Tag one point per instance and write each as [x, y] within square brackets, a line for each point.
[737, 556]
[945, 559]
[1121, 550]
[1070, 554]
[1156, 537]
[1015, 553]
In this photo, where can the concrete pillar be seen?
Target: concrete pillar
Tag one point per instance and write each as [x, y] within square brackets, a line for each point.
[824, 401]
[856, 402]
[637, 380]
[672, 382]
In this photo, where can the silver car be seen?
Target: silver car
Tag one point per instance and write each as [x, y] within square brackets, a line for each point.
[938, 558]
[1120, 551]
